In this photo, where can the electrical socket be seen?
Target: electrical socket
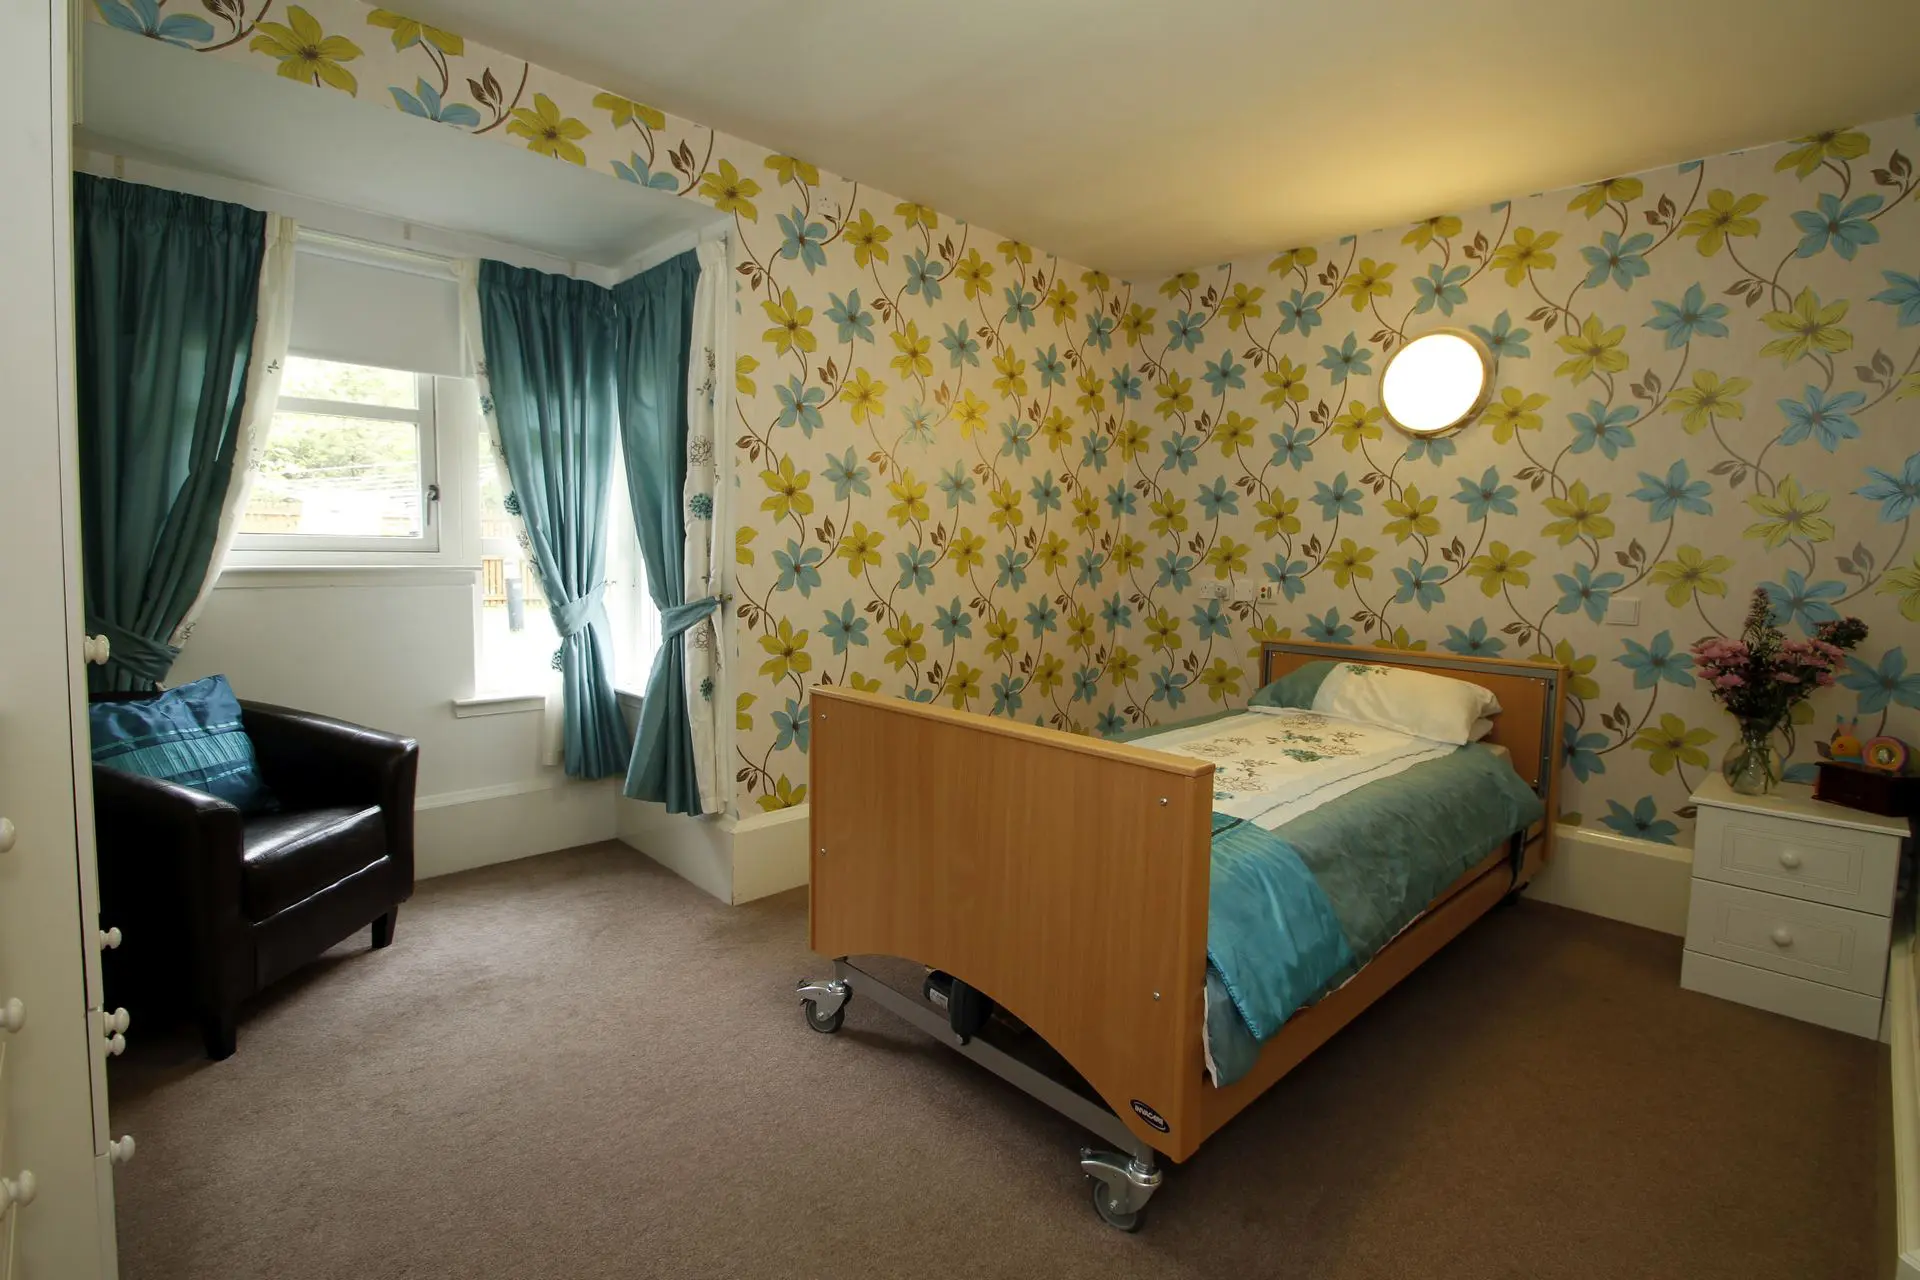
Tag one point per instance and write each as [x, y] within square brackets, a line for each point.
[1268, 593]
[1623, 611]
[1216, 591]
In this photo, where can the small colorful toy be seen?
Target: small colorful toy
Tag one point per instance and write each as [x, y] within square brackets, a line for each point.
[1844, 747]
[1885, 754]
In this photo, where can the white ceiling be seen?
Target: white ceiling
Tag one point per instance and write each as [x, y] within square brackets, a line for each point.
[145, 101]
[1150, 135]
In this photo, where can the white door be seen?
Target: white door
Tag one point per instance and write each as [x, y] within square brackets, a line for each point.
[51, 1080]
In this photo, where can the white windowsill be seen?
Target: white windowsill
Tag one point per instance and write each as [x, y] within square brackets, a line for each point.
[261, 577]
[498, 704]
[630, 699]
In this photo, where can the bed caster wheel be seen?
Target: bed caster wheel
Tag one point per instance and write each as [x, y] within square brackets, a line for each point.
[1122, 1185]
[825, 1023]
[1103, 1205]
[824, 1003]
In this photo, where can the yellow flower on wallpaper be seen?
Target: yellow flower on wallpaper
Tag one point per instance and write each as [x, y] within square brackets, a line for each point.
[731, 192]
[1367, 281]
[917, 215]
[1514, 411]
[789, 652]
[743, 375]
[1294, 259]
[1003, 635]
[1169, 515]
[1816, 149]
[1582, 515]
[1673, 743]
[975, 274]
[625, 111]
[1350, 562]
[904, 636]
[1724, 216]
[548, 132]
[785, 168]
[1593, 348]
[1093, 392]
[1689, 571]
[1014, 251]
[1227, 557]
[1006, 507]
[963, 553]
[860, 548]
[963, 686]
[790, 496]
[407, 33]
[1267, 632]
[306, 52]
[1132, 440]
[1357, 423]
[1412, 515]
[1707, 399]
[1176, 395]
[1047, 676]
[1904, 583]
[1086, 511]
[1789, 514]
[1221, 680]
[743, 544]
[1061, 301]
[1163, 631]
[785, 795]
[1129, 553]
[1234, 433]
[1176, 285]
[742, 720]
[1057, 430]
[1137, 323]
[1807, 328]
[1051, 554]
[863, 396]
[910, 499]
[1579, 669]
[1594, 198]
[1442, 226]
[1276, 515]
[1242, 305]
[865, 684]
[1527, 251]
[1123, 666]
[1500, 567]
[913, 346]
[792, 324]
[971, 413]
[1287, 382]
[1012, 382]
[868, 238]
[1399, 638]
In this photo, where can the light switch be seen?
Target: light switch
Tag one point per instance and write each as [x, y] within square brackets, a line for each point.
[1623, 611]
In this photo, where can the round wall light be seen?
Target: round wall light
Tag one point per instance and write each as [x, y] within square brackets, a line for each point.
[1437, 382]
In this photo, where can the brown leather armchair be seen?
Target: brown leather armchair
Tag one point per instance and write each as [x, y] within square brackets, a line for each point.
[214, 904]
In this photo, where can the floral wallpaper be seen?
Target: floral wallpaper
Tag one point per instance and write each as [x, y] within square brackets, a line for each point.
[971, 472]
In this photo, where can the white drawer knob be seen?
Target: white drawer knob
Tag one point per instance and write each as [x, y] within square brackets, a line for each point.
[13, 1015]
[1782, 936]
[120, 1150]
[116, 1045]
[7, 834]
[18, 1190]
[96, 649]
[110, 938]
[1789, 859]
[118, 1020]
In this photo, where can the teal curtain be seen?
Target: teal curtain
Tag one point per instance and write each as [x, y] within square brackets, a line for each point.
[552, 347]
[656, 325]
[165, 291]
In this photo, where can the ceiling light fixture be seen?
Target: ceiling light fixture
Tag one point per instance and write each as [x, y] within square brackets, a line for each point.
[1437, 382]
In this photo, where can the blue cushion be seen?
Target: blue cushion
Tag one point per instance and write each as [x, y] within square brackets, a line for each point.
[191, 735]
[1294, 689]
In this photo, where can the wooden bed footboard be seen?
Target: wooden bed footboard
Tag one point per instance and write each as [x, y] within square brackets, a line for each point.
[1063, 876]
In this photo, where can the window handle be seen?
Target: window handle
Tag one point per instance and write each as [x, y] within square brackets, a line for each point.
[433, 496]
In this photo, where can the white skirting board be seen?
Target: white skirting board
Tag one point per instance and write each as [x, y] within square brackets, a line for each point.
[459, 830]
[1903, 1030]
[734, 859]
[1619, 877]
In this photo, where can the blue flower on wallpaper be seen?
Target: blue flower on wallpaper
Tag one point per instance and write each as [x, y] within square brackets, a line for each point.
[1090, 564]
[1051, 369]
[1183, 451]
[1006, 694]
[1186, 329]
[916, 567]
[1093, 451]
[1890, 682]
[1086, 684]
[1902, 291]
[1583, 752]
[1121, 501]
[1292, 445]
[855, 321]
[1046, 493]
[1474, 642]
[1012, 564]
[1896, 494]
[1218, 499]
[1126, 383]
[1435, 449]
[1502, 339]
[1329, 628]
[1169, 686]
[803, 239]
[1617, 259]
[1678, 492]
[799, 567]
[1488, 496]
[791, 725]
[962, 347]
[1224, 374]
[1643, 821]
[800, 405]
[1210, 620]
[1807, 603]
[1020, 304]
[1652, 663]
[425, 103]
[1016, 439]
[1336, 498]
[1843, 227]
[1111, 722]
[1100, 330]
[1116, 613]
[1441, 288]
[957, 485]
[923, 276]
[142, 17]
[913, 693]
[1582, 591]
[1603, 428]
[919, 420]
[844, 628]
[847, 475]
[1347, 360]
[1289, 575]
[1420, 584]
[634, 170]
[1042, 616]
[953, 622]
[1693, 318]
[1301, 311]
[1176, 570]
[1829, 421]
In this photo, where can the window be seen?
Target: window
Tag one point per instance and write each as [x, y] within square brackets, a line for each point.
[348, 463]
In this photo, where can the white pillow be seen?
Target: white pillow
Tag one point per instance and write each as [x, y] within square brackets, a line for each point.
[1481, 728]
[1416, 702]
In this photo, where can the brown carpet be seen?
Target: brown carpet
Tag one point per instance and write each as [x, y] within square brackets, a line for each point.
[579, 1066]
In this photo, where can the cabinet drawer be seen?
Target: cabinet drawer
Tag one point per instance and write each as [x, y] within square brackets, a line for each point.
[1809, 940]
[1810, 860]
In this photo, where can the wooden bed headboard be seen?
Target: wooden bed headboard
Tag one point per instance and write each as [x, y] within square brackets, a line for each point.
[1531, 696]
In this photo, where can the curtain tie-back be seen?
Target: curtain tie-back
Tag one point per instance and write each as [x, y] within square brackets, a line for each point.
[678, 619]
[143, 659]
[572, 617]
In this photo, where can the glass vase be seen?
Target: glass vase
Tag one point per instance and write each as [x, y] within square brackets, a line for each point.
[1750, 766]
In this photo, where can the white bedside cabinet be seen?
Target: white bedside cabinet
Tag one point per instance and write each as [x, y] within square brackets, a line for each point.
[1792, 906]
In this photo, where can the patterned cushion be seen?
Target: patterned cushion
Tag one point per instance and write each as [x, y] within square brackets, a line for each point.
[191, 735]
